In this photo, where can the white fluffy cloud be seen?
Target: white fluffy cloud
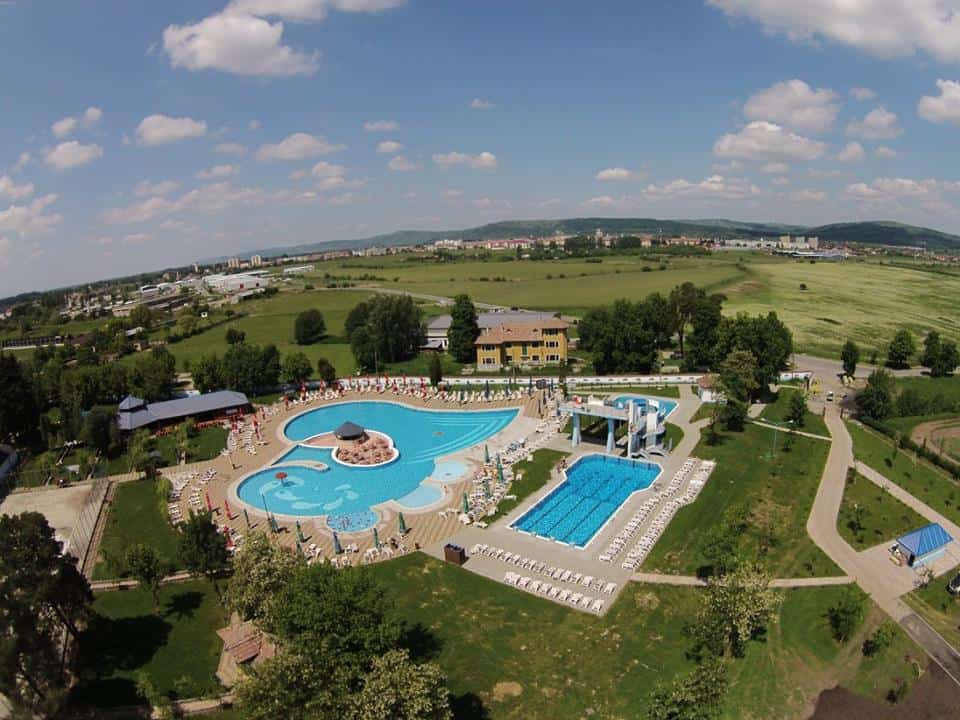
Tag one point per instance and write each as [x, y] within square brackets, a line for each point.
[298, 146]
[601, 201]
[483, 161]
[807, 195]
[162, 129]
[616, 174]
[230, 148]
[28, 220]
[323, 169]
[887, 153]
[714, 187]
[21, 163]
[775, 168]
[944, 108]
[767, 141]
[65, 126]
[481, 104]
[878, 124]
[208, 198]
[401, 164]
[146, 188]
[71, 154]
[862, 94]
[853, 152]
[381, 126]
[218, 172]
[887, 28]
[308, 10]
[794, 104]
[389, 147]
[894, 189]
[236, 43]
[8, 188]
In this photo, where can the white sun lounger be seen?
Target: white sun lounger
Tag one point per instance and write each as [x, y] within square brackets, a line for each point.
[597, 605]
[562, 597]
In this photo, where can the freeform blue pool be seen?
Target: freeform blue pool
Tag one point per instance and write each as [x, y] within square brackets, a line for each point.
[595, 488]
[347, 493]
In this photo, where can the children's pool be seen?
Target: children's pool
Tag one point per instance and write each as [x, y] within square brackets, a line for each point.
[346, 493]
[595, 488]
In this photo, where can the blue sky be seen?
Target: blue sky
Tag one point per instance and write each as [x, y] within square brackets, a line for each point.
[135, 136]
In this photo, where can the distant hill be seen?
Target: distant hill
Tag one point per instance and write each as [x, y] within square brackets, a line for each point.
[866, 233]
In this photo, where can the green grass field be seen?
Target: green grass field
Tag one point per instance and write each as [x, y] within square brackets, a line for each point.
[869, 515]
[509, 654]
[776, 412]
[775, 494]
[271, 321]
[536, 474]
[177, 648]
[137, 515]
[917, 477]
[938, 607]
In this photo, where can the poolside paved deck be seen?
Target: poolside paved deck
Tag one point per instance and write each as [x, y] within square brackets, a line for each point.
[585, 561]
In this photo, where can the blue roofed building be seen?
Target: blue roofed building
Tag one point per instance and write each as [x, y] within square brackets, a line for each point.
[924, 545]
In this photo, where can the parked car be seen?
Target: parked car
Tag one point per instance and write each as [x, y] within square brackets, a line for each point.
[830, 396]
[953, 587]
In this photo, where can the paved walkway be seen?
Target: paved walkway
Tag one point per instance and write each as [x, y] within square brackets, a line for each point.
[814, 436]
[692, 580]
[870, 573]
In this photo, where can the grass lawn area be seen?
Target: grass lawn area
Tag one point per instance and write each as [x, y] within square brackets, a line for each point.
[938, 607]
[271, 320]
[177, 648]
[917, 477]
[673, 436]
[509, 654]
[942, 394]
[775, 496]
[205, 445]
[776, 412]
[882, 517]
[650, 391]
[704, 412]
[535, 475]
[136, 516]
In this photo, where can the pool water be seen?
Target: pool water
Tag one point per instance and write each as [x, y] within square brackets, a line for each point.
[666, 406]
[344, 491]
[595, 488]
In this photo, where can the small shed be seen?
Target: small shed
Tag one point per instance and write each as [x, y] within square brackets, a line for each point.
[708, 389]
[924, 545]
[349, 431]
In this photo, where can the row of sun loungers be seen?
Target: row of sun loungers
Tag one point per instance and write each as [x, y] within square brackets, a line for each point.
[538, 587]
[642, 548]
[552, 572]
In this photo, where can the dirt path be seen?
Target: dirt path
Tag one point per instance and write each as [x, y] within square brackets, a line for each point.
[933, 433]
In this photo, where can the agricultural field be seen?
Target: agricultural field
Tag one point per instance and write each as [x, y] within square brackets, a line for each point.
[865, 301]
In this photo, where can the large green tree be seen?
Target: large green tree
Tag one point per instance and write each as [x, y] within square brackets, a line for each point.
[396, 688]
[931, 349]
[309, 327]
[705, 322]
[696, 695]
[734, 610]
[19, 412]
[464, 330]
[147, 569]
[850, 356]
[627, 336]
[296, 367]
[765, 336]
[260, 570]
[738, 375]
[875, 401]
[902, 347]
[153, 373]
[684, 301]
[203, 550]
[385, 329]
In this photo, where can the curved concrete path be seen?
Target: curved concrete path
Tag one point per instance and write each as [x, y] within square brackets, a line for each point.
[873, 577]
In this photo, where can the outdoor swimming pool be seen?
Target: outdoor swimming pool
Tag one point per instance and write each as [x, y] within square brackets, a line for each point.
[595, 488]
[666, 406]
[346, 493]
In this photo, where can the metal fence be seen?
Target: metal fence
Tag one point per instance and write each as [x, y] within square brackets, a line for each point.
[82, 535]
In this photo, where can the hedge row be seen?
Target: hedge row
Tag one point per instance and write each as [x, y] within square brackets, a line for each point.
[906, 443]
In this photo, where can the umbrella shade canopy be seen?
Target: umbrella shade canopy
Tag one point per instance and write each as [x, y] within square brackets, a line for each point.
[403, 525]
[376, 538]
[466, 504]
[281, 476]
[349, 431]
[337, 548]
[486, 454]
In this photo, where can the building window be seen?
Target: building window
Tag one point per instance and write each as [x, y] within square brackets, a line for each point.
[536, 358]
[553, 358]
